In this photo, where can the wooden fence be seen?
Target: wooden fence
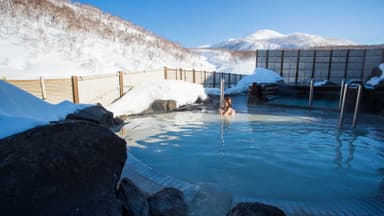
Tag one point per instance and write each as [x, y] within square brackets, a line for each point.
[106, 88]
[295, 66]
[299, 66]
[209, 79]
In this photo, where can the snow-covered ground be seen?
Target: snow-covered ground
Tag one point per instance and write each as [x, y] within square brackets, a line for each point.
[141, 97]
[374, 81]
[269, 39]
[228, 61]
[20, 110]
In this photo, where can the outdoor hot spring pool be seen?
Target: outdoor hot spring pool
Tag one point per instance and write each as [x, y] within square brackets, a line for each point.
[265, 152]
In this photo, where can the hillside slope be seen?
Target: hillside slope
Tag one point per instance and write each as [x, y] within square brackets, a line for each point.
[57, 38]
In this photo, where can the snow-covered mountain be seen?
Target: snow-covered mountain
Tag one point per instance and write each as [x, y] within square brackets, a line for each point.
[60, 38]
[269, 39]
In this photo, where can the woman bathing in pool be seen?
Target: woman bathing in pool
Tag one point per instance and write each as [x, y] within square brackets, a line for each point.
[227, 110]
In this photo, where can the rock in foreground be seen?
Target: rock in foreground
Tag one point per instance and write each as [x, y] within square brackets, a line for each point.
[133, 200]
[168, 202]
[96, 114]
[68, 168]
[255, 209]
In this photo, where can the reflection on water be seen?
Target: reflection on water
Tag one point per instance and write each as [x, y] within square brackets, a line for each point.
[294, 155]
[351, 137]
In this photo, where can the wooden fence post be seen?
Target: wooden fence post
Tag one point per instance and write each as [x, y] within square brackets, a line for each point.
[193, 75]
[43, 90]
[330, 65]
[267, 59]
[205, 78]
[229, 80]
[121, 83]
[256, 58]
[363, 68]
[165, 73]
[297, 66]
[214, 79]
[75, 89]
[181, 74]
[346, 64]
[314, 64]
[282, 63]
[185, 75]
[382, 55]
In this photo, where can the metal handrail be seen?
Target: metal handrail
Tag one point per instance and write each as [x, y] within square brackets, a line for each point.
[341, 92]
[343, 96]
[357, 104]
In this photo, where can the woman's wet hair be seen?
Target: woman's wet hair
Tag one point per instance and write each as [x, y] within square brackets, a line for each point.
[229, 100]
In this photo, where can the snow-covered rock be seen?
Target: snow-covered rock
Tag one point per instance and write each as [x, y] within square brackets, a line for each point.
[55, 38]
[20, 110]
[374, 81]
[142, 96]
[260, 75]
[269, 39]
[320, 83]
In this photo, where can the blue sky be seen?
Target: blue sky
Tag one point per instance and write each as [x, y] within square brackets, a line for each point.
[199, 22]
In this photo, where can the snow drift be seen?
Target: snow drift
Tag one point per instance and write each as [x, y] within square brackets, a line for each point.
[142, 96]
[260, 75]
[20, 110]
[374, 81]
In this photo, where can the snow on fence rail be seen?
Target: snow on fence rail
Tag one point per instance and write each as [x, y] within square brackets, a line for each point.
[106, 88]
[299, 66]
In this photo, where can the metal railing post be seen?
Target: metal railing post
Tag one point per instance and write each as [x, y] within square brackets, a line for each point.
[357, 104]
[311, 88]
[221, 92]
[341, 114]
[341, 93]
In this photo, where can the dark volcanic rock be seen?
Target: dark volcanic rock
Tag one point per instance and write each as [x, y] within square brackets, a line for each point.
[97, 114]
[162, 106]
[255, 209]
[168, 202]
[68, 168]
[133, 200]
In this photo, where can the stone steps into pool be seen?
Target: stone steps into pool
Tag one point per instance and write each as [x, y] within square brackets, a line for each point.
[202, 199]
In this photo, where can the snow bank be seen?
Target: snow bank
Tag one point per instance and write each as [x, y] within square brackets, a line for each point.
[212, 91]
[320, 83]
[374, 81]
[141, 97]
[260, 75]
[20, 110]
